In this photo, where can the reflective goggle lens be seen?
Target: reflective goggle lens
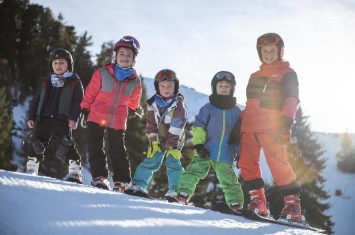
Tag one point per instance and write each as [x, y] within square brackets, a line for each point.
[165, 74]
[225, 76]
[132, 40]
[268, 40]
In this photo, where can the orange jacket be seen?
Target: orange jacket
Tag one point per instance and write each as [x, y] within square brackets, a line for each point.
[108, 99]
[272, 93]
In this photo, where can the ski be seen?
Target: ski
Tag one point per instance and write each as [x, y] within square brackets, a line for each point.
[137, 193]
[250, 214]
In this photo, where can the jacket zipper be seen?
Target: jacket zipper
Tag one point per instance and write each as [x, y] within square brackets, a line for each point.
[222, 134]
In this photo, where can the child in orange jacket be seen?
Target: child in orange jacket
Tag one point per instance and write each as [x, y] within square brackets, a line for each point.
[272, 99]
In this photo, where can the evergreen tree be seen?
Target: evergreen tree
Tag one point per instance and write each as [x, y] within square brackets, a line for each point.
[6, 124]
[307, 163]
[29, 32]
[136, 139]
[346, 156]
[105, 55]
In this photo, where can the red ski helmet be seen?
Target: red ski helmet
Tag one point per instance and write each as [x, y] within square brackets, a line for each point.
[166, 75]
[126, 41]
[270, 39]
[61, 53]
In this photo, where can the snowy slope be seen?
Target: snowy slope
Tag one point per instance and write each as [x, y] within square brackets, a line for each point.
[342, 208]
[43, 205]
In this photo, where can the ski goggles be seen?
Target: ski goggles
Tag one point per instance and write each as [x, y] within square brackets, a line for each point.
[223, 75]
[131, 40]
[268, 39]
[165, 74]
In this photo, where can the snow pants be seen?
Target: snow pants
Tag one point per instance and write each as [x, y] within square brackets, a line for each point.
[276, 158]
[47, 128]
[149, 166]
[115, 150]
[198, 169]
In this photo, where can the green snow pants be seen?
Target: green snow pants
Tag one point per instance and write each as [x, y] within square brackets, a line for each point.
[198, 169]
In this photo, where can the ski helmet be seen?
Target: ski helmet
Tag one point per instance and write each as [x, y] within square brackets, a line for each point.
[61, 53]
[270, 39]
[166, 75]
[128, 41]
[223, 76]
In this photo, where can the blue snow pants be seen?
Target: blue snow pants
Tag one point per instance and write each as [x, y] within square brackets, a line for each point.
[149, 166]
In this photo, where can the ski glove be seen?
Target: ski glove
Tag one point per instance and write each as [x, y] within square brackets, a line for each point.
[153, 148]
[84, 117]
[175, 153]
[139, 112]
[201, 151]
[235, 135]
[283, 135]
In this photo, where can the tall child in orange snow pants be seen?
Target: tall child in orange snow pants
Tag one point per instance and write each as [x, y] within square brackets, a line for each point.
[272, 99]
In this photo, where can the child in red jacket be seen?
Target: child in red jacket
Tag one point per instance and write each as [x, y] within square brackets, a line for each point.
[272, 99]
[113, 90]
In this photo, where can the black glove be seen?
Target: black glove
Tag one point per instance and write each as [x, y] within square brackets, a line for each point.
[283, 134]
[139, 112]
[84, 117]
[202, 152]
[234, 137]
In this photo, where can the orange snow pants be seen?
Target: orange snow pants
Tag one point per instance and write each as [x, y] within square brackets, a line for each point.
[276, 158]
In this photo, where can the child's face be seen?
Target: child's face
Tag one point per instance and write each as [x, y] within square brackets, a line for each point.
[125, 57]
[59, 66]
[269, 54]
[166, 88]
[223, 88]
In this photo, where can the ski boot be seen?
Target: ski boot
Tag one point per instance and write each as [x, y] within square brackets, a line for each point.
[235, 207]
[292, 209]
[171, 195]
[258, 202]
[182, 198]
[32, 165]
[101, 182]
[120, 187]
[136, 190]
[74, 172]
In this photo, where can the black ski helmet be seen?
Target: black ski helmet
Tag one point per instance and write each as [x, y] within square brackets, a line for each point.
[223, 76]
[61, 53]
[270, 39]
[169, 75]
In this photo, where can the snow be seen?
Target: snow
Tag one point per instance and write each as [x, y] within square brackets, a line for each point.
[43, 205]
[342, 208]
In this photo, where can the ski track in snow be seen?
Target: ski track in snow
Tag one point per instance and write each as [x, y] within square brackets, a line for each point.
[43, 205]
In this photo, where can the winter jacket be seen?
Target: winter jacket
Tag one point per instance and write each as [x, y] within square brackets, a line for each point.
[213, 127]
[167, 126]
[108, 99]
[59, 102]
[272, 94]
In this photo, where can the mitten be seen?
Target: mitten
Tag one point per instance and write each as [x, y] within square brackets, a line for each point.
[153, 148]
[175, 153]
[201, 151]
[84, 117]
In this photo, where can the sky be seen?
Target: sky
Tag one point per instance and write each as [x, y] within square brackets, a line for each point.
[37, 204]
[199, 38]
